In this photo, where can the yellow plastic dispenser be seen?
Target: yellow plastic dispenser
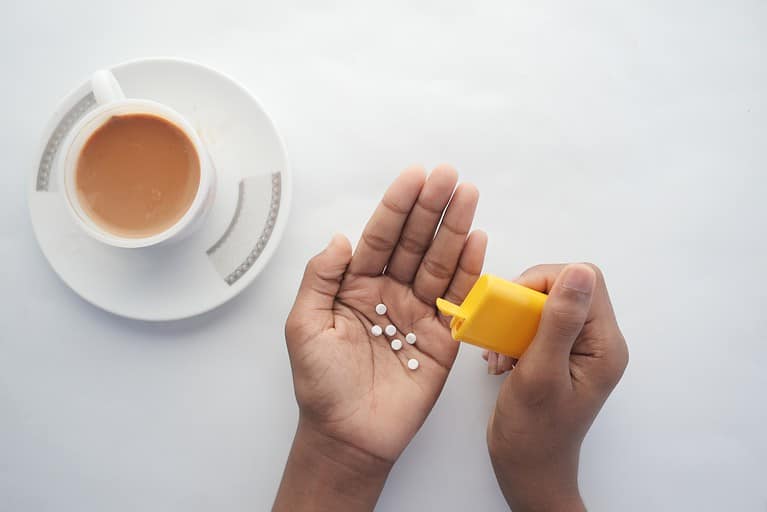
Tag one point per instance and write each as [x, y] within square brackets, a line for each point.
[497, 315]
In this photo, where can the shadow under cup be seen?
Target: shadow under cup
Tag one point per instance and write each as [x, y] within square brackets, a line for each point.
[136, 174]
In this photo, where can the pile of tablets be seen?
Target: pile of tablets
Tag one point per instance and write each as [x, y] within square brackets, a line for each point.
[391, 330]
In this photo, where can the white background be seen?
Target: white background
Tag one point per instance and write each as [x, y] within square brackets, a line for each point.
[631, 134]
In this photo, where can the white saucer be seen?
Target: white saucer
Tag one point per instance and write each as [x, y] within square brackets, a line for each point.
[239, 234]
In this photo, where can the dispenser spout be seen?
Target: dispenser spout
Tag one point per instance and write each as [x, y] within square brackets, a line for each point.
[447, 308]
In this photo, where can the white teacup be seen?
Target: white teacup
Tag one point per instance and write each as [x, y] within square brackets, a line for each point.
[110, 102]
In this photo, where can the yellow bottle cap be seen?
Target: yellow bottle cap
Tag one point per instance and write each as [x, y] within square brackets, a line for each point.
[448, 308]
[496, 314]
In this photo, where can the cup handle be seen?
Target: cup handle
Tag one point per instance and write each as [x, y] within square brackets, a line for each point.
[106, 89]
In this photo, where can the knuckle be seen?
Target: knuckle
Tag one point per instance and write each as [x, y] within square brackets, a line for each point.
[455, 230]
[470, 272]
[436, 268]
[615, 363]
[425, 205]
[378, 243]
[572, 298]
[411, 244]
[393, 206]
[313, 264]
[535, 269]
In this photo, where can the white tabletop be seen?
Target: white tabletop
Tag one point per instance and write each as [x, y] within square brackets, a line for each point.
[631, 136]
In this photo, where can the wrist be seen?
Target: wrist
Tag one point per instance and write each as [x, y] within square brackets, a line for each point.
[323, 473]
[535, 479]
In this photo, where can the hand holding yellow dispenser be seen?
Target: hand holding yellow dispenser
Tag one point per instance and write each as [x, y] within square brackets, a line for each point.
[497, 315]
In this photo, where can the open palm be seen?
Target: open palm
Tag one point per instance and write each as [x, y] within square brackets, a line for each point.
[350, 384]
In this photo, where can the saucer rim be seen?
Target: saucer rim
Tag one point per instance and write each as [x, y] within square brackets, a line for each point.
[277, 233]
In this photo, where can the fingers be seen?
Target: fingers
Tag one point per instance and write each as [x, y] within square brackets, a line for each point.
[492, 363]
[505, 363]
[499, 364]
[542, 278]
[564, 315]
[422, 223]
[470, 264]
[469, 267]
[601, 337]
[385, 226]
[439, 264]
[313, 309]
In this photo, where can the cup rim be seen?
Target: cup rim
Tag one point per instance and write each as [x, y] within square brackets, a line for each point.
[82, 132]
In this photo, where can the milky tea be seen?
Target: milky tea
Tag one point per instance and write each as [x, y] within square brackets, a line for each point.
[137, 175]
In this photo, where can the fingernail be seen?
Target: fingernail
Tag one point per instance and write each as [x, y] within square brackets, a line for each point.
[485, 353]
[579, 278]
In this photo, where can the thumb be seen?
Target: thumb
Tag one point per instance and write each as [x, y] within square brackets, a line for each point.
[313, 309]
[564, 315]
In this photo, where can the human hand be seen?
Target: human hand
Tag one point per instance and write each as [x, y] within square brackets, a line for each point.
[548, 402]
[359, 403]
